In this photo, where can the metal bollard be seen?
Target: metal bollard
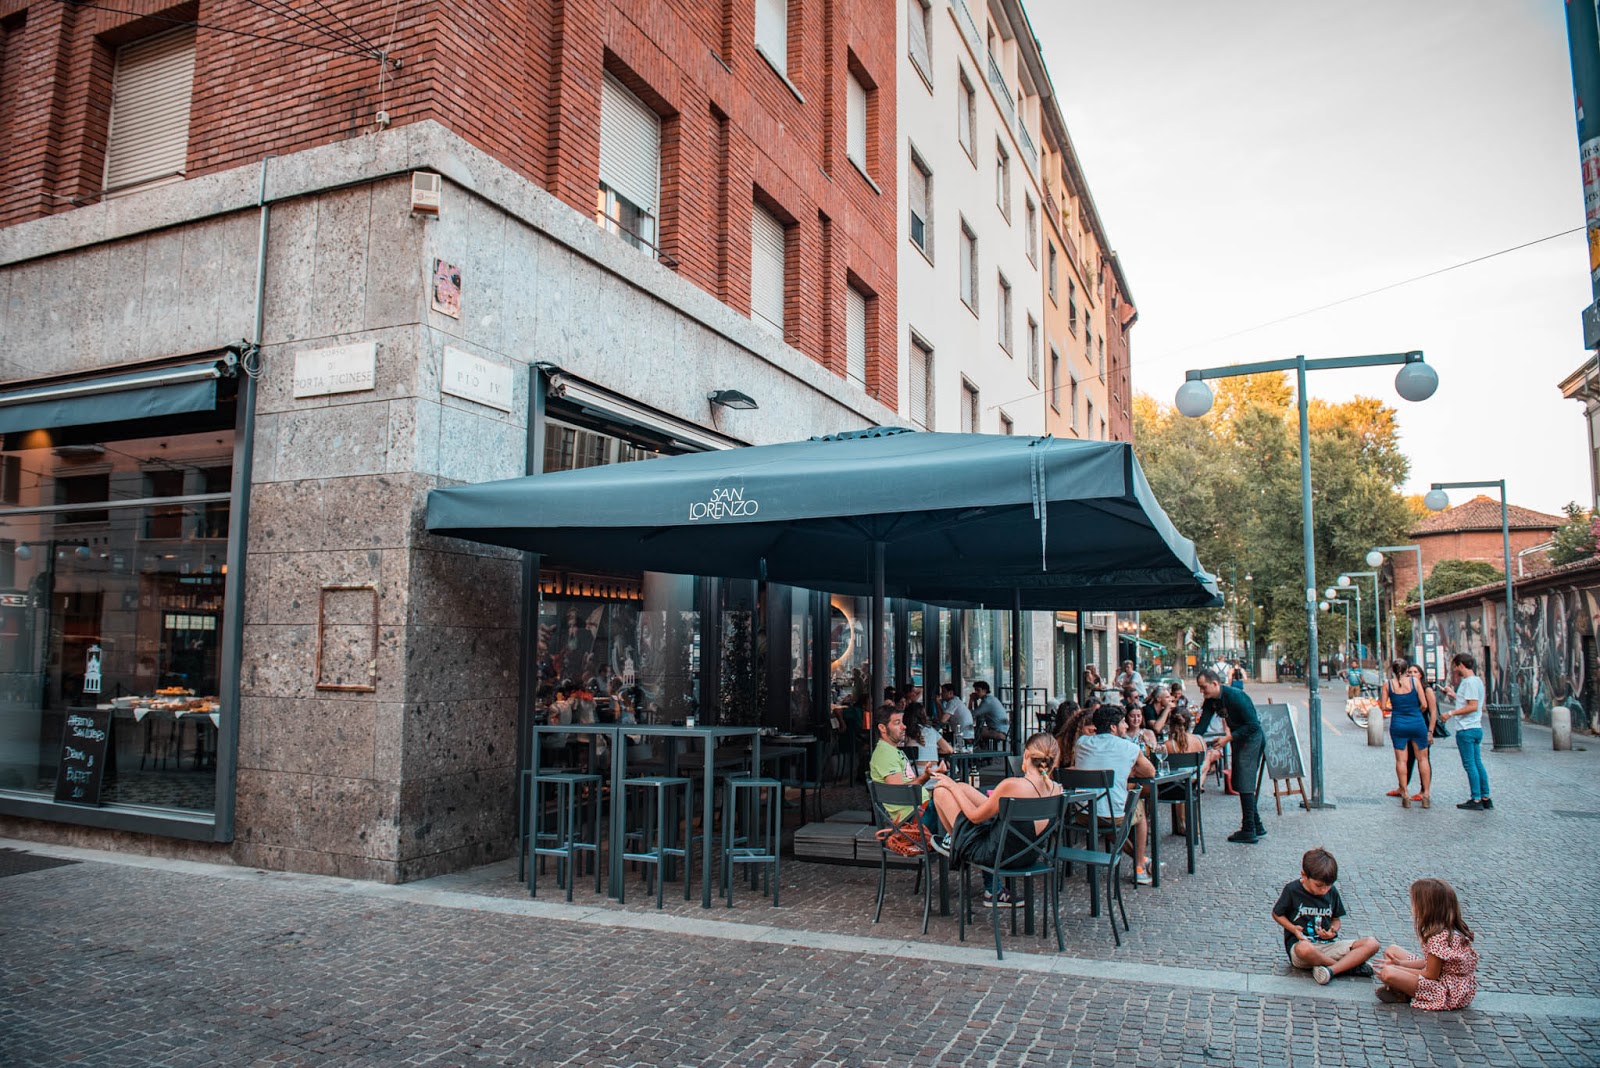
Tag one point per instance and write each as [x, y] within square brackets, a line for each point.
[1561, 728]
[1375, 726]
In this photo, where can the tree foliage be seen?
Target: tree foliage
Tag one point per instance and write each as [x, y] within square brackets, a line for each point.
[1231, 482]
[1453, 576]
[1575, 539]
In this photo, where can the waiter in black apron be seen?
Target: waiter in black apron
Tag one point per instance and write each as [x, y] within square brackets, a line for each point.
[1249, 747]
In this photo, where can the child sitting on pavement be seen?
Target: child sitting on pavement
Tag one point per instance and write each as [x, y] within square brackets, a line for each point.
[1445, 976]
[1309, 911]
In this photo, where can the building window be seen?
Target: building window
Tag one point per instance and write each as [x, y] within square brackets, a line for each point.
[772, 33]
[1003, 305]
[856, 122]
[918, 19]
[1088, 416]
[1072, 306]
[855, 315]
[1101, 344]
[1030, 235]
[630, 166]
[1055, 378]
[969, 408]
[1033, 351]
[1002, 179]
[767, 269]
[1103, 436]
[967, 116]
[969, 267]
[921, 385]
[152, 84]
[1074, 399]
[920, 198]
[1008, 426]
[1050, 274]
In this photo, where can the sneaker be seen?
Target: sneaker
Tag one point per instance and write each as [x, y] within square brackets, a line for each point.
[1322, 974]
[1362, 971]
[1002, 900]
[1261, 832]
[1471, 806]
[1142, 878]
[940, 844]
[1389, 995]
[1486, 802]
[1244, 837]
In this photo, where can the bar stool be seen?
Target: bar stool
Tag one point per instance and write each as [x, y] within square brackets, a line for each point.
[652, 832]
[760, 804]
[564, 842]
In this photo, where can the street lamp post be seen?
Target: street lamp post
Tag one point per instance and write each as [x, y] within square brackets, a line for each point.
[1327, 606]
[1377, 609]
[1437, 500]
[1415, 381]
[1333, 591]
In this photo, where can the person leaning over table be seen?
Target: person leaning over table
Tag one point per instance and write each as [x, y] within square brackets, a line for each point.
[1249, 747]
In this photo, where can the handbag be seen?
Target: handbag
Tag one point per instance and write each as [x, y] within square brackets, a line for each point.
[908, 839]
[1440, 730]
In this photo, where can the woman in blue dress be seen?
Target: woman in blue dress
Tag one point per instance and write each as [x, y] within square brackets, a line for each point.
[1409, 728]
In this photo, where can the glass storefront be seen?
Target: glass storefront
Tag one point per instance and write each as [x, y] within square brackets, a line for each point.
[111, 610]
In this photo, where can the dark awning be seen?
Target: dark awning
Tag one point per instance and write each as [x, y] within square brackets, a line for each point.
[161, 391]
[971, 519]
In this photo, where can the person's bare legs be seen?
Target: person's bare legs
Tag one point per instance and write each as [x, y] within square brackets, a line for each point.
[1425, 770]
[1400, 772]
[1141, 836]
[945, 803]
[1400, 979]
[1362, 951]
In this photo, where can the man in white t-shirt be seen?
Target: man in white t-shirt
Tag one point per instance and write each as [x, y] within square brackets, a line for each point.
[1129, 676]
[1108, 749]
[1467, 714]
[953, 712]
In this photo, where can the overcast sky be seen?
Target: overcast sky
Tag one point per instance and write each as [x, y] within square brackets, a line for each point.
[1253, 159]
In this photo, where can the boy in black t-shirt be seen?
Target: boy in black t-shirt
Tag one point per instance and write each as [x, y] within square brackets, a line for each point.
[1309, 911]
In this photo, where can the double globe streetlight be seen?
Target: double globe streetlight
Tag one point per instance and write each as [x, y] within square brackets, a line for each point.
[1415, 381]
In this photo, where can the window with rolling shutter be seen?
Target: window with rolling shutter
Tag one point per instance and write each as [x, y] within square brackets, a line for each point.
[969, 266]
[766, 269]
[151, 89]
[630, 164]
[917, 21]
[856, 336]
[966, 113]
[920, 393]
[919, 196]
[856, 121]
[969, 407]
[772, 32]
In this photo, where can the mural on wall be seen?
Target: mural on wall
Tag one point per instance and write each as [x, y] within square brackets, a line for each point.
[1551, 630]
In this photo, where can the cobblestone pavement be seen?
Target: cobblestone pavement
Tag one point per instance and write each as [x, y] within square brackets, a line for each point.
[130, 961]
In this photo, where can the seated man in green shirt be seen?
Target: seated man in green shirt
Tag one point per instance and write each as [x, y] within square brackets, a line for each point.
[890, 766]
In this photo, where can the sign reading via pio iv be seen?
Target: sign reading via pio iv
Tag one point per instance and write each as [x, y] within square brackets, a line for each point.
[725, 502]
[480, 381]
[345, 369]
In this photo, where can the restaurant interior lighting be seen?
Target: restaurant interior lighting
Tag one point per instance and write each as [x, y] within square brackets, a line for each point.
[732, 398]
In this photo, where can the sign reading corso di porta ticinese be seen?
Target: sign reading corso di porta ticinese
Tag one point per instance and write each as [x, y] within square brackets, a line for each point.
[725, 502]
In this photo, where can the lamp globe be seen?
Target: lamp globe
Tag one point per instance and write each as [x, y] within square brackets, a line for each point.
[1436, 500]
[1416, 381]
[1374, 559]
[1344, 580]
[1194, 398]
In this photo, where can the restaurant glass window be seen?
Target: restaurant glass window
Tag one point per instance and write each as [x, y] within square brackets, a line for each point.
[850, 650]
[915, 668]
[115, 610]
[802, 649]
[741, 687]
[978, 648]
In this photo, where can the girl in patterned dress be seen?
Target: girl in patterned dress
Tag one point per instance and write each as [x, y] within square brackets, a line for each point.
[1445, 977]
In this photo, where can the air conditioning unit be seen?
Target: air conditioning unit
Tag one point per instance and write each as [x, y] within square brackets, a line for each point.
[427, 193]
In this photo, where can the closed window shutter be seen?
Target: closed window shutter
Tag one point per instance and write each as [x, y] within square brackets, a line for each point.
[151, 88]
[766, 269]
[968, 254]
[918, 193]
[964, 117]
[919, 382]
[969, 409]
[856, 335]
[857, 121]
[630, 146]
[772, 31]
[917, 17]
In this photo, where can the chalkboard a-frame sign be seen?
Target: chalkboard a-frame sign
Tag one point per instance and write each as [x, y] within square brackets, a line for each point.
[82, 767]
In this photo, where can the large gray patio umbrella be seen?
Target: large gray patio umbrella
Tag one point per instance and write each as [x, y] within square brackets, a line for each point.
[954, 519]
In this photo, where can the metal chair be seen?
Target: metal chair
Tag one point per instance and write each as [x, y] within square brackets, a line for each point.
[1110, 861]
[564, 841]
[652, 833]
[884, 796]
[1101, 781]
[1022, 853]
[761, 813]
[1175, 796]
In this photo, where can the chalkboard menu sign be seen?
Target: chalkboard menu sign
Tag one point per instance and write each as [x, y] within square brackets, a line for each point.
[83, 755]
[1283, 745]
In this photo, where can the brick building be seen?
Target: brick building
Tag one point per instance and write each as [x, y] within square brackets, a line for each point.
[1471, 531]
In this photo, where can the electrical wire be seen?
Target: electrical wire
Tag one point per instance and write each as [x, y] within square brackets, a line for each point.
[196, 24]
[1321, 307]
[346, 24]
[300, 18]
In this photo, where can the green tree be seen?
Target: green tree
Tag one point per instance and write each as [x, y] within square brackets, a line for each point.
[1453, 576]
[1575, 539]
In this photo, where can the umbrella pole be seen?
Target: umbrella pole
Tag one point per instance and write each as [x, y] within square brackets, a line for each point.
[1016, 673]
[880, 646]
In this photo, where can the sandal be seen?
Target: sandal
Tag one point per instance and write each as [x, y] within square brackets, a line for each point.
[1405, 801]
[1427, 802]
[1392, 793]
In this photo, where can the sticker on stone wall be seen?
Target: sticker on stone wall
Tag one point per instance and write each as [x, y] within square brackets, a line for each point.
[447, 289]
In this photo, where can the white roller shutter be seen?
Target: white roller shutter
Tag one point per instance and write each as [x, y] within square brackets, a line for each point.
[856, 121]
[630, 146]
[917, 19]
[919, 381]
[855, 316]
[772, 31]
[766, 269]
[151, 89]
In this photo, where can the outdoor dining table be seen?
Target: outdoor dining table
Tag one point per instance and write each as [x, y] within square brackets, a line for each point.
[1189, 779]
[963, 762]
[675, 737]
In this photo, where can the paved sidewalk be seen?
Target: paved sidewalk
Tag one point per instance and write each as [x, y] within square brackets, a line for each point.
[132, 961]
